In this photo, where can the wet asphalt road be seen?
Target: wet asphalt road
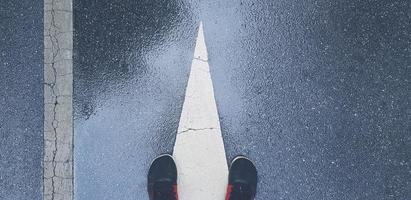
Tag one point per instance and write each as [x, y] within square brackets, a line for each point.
[131, 65]
[21, 99]
[317, 93]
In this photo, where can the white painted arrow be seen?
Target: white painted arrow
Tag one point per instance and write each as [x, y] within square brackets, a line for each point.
[199, 150]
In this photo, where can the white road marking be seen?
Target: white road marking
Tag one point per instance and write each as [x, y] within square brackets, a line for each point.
[58, 107]
[199, 150]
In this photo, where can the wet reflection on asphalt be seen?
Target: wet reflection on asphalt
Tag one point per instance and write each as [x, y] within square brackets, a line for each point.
[316, 92]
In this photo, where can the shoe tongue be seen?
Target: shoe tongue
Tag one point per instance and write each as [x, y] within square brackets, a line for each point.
[164, 180]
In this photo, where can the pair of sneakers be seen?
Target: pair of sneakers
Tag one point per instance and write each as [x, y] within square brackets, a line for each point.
[162, 179]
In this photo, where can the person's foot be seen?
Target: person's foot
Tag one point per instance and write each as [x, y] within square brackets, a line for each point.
[162, 179]
[242, 180]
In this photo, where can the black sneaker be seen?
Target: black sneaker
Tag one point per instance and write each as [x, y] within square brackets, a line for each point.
[242, 180]
[162, 179]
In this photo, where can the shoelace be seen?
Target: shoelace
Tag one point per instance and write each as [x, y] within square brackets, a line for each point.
[165, 191]
[240, 192]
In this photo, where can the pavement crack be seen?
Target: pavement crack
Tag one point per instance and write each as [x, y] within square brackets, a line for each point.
[58, 159]
[200, 59]
[196, 129]
[55, 124]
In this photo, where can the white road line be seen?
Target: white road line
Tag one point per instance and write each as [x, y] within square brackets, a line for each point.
[199, 150]
[58, 107]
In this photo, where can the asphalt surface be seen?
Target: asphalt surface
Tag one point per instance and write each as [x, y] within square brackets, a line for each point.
[131, 65]
[316, 93]
[21, 99]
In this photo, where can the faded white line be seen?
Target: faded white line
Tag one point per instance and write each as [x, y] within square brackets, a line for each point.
[58, 86]
[199, 150]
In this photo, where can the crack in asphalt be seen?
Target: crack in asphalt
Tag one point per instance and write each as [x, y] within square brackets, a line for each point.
[200, 59]
[53, 33]
[196, 129]
[52, 85]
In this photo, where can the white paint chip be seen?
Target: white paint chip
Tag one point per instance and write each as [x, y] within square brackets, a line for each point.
[199, 150]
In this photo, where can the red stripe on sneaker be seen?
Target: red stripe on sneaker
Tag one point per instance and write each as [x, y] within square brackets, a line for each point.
[229, 190]
[175, 191]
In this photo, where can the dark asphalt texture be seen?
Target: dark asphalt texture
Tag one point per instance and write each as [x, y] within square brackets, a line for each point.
[21, 99]
[316, 93]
